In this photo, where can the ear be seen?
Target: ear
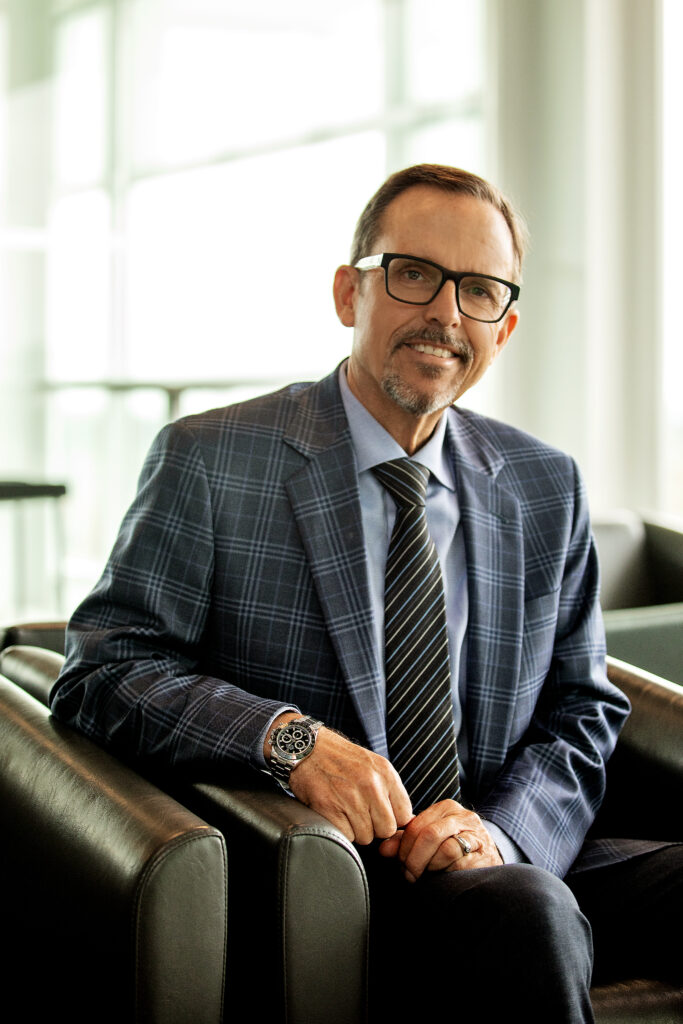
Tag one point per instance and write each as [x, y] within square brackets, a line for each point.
[345, 288]
[506, 328]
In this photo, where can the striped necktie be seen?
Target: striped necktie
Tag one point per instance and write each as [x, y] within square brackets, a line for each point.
[420, 728]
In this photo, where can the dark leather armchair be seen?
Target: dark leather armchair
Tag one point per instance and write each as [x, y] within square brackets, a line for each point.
[49, 635]
[289, 867]
[127, 883]
[114, 901]
[642, 591]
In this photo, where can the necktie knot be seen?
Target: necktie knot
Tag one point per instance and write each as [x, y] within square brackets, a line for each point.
[405, 480]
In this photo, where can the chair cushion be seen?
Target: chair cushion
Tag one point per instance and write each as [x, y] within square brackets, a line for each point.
[622, 549]
[651, 638]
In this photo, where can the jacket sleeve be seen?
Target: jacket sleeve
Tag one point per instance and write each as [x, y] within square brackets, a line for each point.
[553, 780]
[132, 677]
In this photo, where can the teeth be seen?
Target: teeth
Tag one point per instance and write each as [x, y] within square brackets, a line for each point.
[442, 353]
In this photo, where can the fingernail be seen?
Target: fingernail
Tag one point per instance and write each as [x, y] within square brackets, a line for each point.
[409, 877]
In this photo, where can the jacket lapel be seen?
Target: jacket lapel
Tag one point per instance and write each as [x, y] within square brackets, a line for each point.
[325, 503]
[326, 506]
[492, 530]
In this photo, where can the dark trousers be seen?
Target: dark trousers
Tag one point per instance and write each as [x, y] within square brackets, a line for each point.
[515, 940]
[635, 909]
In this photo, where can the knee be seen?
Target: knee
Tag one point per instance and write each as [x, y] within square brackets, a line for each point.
[541, 930]
[538, 906]
[532, 884]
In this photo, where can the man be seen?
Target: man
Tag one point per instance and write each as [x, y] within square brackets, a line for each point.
[241, 618]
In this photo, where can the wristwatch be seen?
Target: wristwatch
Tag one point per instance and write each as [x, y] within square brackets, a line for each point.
[290, 745]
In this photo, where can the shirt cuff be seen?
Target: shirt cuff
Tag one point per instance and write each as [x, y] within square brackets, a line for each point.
[507, 848]
[257, 752]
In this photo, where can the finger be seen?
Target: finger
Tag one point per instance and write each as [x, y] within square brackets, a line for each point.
[452, 857]
[389, 847]
[425, 837]
[441, 818]
[389, 805]
[427, 833]
[400, 802]
[379, 798]
[369, 811]
[382, 814]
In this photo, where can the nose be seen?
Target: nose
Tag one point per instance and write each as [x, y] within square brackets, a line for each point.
[444, 306]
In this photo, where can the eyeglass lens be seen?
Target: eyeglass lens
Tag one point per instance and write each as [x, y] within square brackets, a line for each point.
[411, 280]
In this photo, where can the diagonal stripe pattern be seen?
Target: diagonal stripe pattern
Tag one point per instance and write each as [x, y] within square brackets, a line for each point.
[420, 728]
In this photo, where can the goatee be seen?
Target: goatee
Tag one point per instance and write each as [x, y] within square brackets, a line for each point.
[432, 399]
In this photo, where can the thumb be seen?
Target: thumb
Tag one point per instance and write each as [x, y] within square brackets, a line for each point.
[389, 847]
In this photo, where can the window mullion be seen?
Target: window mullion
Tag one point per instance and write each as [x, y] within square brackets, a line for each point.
[395, 64]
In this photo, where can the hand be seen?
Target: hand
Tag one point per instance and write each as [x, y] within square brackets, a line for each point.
[428, 843]
[355, 789]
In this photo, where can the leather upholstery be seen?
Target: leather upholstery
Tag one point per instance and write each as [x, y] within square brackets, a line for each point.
[114, 894]
[641, 561]
[637, 1002]
[50, 635]
[650, 636]
[32, 668]
[298, 895]
[298, 903]
[641, 564]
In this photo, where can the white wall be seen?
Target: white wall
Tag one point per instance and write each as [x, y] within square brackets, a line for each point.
[577, 102]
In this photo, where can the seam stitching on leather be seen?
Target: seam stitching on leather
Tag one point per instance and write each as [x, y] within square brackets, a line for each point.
[151, 868]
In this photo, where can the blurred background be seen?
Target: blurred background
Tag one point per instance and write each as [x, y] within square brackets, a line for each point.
[180, 178]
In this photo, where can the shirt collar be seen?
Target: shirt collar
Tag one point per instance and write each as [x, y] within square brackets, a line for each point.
[373, 444]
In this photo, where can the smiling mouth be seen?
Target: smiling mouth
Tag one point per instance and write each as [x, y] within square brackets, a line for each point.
[434, 342]
[433, 350]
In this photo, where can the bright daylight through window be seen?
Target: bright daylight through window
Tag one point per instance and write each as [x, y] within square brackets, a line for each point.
[206, 161]
[671, 467]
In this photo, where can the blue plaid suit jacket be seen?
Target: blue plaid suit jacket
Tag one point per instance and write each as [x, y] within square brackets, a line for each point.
[238, 584]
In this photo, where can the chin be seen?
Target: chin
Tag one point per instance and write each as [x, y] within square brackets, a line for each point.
[415, 400]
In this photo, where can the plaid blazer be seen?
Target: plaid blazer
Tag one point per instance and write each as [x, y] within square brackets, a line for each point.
[238, 584]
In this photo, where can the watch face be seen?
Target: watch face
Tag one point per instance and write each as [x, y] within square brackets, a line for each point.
[294, 741]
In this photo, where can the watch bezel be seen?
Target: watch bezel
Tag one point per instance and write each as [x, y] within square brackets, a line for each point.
[283, 761]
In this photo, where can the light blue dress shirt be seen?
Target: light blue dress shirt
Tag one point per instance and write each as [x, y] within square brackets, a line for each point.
[373, 445]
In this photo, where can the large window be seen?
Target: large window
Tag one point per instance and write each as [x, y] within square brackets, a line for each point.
[671, 457]
[180, 178]
[204, 164]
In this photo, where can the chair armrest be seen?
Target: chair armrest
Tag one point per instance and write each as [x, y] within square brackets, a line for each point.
[298, 899]
[50, 635]
[654, 731]
[115, 889]
[647, 764]
[34, 669]
[298, 894]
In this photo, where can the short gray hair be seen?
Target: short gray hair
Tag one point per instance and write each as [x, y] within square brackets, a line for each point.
[448, 179]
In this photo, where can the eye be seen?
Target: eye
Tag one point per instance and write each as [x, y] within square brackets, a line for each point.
[477, 289]
[412, 274]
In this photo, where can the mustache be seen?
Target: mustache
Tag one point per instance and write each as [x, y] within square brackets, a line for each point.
[435, 336]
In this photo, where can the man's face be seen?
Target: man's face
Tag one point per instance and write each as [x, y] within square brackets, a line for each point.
[409, 362]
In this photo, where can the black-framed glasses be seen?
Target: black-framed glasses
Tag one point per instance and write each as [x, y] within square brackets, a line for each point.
[418, 281]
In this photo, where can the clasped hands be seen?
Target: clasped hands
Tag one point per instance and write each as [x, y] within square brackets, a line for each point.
[361, 793]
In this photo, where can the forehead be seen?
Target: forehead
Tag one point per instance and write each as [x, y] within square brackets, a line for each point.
[459, 231]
